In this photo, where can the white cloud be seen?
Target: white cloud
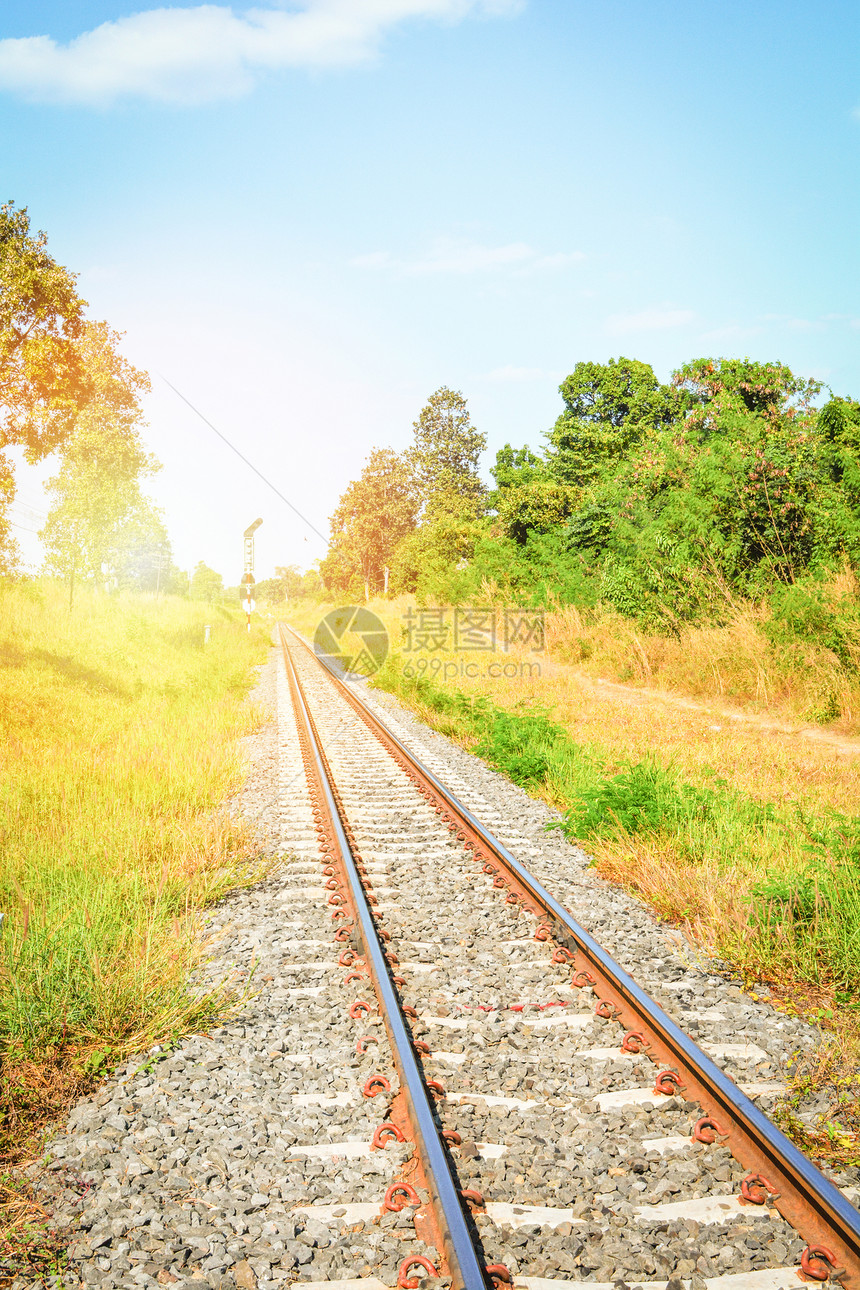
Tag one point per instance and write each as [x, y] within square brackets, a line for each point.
[461, 257]
[210, 52]
[735, 333]
[848, 319]
[648, 320]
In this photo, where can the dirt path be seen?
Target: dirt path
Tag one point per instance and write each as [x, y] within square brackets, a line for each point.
[761, 755]
[640, 695]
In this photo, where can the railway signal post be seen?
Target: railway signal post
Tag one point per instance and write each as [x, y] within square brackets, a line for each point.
[248, 602]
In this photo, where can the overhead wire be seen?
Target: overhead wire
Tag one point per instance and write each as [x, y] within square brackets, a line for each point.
[247, 462]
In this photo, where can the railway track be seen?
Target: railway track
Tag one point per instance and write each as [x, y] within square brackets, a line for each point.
[496, 1035]
[433, 1069]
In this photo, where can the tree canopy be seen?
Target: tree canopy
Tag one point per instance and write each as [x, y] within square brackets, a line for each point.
[206, 584]
[741, 385]
[43, 381]
[527, 497]
[609, 407]
[664, 500]
[372, 517]
[100, 521]
[408, 513]
[445, 455]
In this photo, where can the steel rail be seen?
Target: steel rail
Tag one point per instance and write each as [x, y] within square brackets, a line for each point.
[464, 1263]
[781, 1174]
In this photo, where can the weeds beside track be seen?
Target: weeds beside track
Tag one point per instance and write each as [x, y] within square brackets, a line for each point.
[772, 891]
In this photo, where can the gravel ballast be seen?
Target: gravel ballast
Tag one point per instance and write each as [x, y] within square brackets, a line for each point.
[224, 1161]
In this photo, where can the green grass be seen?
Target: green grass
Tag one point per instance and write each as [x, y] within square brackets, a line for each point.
[771, 890]
[119, 735]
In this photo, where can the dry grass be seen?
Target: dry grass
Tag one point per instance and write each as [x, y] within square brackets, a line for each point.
[710, 905]
[766, 762]
[33, 1096]
[30, 1245]
[761, 756]
[832, 1065]
[735, 664]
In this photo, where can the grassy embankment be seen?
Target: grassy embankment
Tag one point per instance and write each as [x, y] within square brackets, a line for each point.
[118, 730]
[797, 659]
[743, 834]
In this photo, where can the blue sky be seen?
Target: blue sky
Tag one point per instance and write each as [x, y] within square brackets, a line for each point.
[308, 216]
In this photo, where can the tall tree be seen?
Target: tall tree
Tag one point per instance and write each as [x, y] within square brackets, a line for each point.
[43, 381]
[609, 407]
[372, 517]
[206, 584]
[289, 583]
[99, 514]
[444, 457]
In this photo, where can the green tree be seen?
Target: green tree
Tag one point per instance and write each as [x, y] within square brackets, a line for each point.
[287, 584]
[445, 455]
[372, 517]
[206, 584]
[516, 467]
[339, 572]
[312, 584]
[98, 507]
[609, 407]
[178, 582]
[737, 495]
[290, 578]
[142, 559]
[839, 428]
[527, 498]
[839, 422]
[721, 386]
[43, 381]
[444, 542]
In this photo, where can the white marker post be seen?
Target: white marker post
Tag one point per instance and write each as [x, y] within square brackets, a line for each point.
[248, 604]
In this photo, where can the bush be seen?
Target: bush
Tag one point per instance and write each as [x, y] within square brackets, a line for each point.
[811, 612]
[642, 798]
[518, 743]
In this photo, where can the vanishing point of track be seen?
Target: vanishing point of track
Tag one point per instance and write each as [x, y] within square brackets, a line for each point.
[447, 1213]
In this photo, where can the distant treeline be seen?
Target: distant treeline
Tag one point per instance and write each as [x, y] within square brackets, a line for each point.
[666, 502]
